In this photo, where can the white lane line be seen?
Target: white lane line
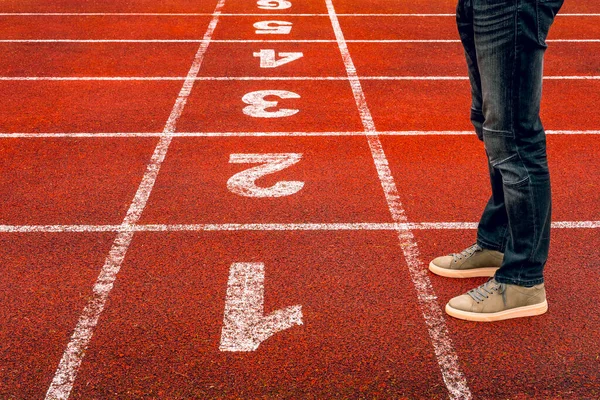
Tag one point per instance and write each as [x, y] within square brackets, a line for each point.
[252, 15]
[65, 375]
[266, 78]
[59, 135]
[440, 338]
[348, 226]
[264, 41]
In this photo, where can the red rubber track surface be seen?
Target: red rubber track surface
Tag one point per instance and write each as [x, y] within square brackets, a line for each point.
[364, 332]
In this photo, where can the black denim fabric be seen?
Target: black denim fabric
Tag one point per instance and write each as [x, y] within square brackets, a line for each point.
[504, 42]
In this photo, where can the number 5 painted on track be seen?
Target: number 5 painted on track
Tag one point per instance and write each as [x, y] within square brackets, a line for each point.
[274, 4]
[268, 59]
[257, 107]
[243, 183]
[273, 27]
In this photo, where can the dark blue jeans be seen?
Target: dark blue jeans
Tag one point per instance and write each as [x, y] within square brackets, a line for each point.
[504, 42]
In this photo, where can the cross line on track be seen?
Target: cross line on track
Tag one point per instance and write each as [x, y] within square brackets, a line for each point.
[446, 356]
[267, 78]
[63, 135]
[327, 226]
[66, 373]
[98, 14]
[264, 41]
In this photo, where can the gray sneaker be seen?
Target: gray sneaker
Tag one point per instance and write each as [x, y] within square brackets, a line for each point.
[494, 301]
[469, 263]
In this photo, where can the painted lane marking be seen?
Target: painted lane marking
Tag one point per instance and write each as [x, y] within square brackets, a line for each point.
[66, 373]
[245, 326]
[264, 41]
[438, 332]
[268, 59]
[273, 4]
[273, 27]
[244, 183]
[349, 226]
[34, 135]
[258, 105]
[256, 14]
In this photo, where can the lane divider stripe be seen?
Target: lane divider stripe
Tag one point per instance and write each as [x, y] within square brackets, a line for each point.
[432, 313]
[65, 375]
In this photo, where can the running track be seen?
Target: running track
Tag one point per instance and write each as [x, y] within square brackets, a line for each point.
[144, 254]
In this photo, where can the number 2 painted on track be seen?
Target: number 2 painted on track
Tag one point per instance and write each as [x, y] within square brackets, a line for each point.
[269, 60]
[244, 183]
[274, 4]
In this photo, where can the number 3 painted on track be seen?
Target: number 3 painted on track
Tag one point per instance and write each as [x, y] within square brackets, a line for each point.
[243, 183]
[257, 107]
[273, 4]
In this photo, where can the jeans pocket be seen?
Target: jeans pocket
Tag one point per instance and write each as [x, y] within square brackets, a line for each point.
[546, 12]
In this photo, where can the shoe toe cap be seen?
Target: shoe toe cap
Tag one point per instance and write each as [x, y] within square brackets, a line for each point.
[443, 262]
[463, 302]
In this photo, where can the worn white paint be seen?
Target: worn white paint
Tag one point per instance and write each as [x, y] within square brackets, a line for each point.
[244, 183]
[264, 40]
[245, 326]
[420, 15]
[341, 226]
[91, 135]
[273, 27]
[268, 59]
[64, 377]
[438, 332]
[258, 105]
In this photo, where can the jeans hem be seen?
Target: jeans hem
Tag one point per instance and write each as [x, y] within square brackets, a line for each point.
[518, 282]
[487, 245]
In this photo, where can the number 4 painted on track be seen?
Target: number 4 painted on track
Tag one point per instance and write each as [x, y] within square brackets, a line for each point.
[268, 59]
[245, 326]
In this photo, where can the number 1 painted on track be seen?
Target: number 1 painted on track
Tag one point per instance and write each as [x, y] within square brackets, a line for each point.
[268, 59]
[245, 326]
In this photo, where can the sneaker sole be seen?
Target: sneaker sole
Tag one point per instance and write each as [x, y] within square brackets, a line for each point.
[518, 312]
[464, 273]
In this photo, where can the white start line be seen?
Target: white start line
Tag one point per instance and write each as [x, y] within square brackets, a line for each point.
[264, 41]
[92, 14]
[231, 227]
[268, 64]
[33, 135]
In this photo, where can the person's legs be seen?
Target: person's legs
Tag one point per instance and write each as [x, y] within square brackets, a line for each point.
[509, 44]
[493, 226]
